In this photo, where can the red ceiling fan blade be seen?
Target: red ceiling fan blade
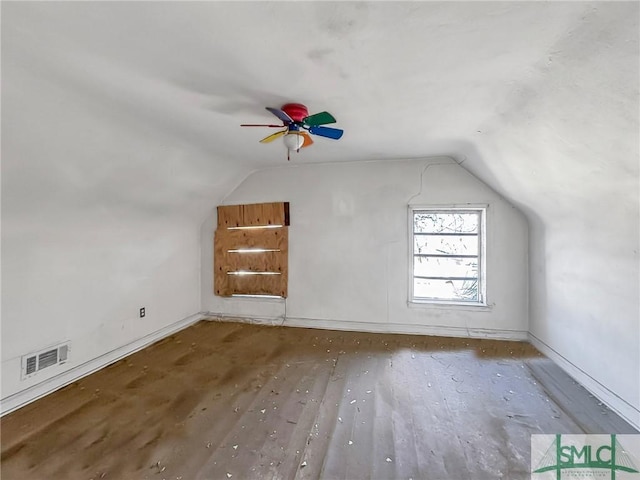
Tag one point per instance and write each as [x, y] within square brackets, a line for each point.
[260, 125]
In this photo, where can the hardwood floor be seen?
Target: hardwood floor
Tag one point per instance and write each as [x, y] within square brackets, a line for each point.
[237, 401]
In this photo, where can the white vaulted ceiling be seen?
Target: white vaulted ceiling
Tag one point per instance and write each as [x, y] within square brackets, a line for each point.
[122, 114]
[533, 95]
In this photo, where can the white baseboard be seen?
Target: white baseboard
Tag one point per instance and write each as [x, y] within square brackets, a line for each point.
[373, 327]
[223, 317]
[50, 385]
[623, 408]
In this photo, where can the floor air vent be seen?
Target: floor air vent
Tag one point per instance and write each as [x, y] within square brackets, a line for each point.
[35, 362]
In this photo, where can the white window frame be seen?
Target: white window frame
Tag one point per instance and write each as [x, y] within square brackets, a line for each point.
[482, 254]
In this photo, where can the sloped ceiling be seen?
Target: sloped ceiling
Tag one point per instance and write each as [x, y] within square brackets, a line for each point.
[126, 113]
[533, 97]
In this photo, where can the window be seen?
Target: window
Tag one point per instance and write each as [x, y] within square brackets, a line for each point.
[447, 246]
[251, 250]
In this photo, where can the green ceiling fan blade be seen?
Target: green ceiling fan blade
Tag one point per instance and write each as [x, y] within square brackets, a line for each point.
[322, 118]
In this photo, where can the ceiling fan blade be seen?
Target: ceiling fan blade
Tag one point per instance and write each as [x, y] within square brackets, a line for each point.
[260, 125]
[321, 118]
[281, 115]
[334, 133]
[273, 136]
[307, 139]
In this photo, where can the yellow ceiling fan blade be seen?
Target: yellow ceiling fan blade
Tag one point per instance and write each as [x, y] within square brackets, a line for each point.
[273, 136]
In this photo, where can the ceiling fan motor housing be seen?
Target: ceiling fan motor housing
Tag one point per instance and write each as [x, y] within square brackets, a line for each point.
[296, 111]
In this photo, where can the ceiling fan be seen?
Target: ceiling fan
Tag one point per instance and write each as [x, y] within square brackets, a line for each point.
[297, 124]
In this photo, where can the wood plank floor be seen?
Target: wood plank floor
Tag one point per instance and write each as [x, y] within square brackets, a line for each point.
[237, 401]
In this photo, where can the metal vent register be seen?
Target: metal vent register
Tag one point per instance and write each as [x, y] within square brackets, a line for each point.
[35, 362]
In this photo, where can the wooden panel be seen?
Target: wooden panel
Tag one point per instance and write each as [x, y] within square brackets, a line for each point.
[253, 238]
[220, 280]
[256, 262]
[229, 216]
[220, 286]
[258, 284]
[265, 214]
[255, 214]
[225, 261]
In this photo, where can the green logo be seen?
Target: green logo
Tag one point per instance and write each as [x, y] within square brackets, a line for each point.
[582, 455]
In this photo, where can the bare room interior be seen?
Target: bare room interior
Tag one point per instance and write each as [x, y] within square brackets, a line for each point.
[300, 240]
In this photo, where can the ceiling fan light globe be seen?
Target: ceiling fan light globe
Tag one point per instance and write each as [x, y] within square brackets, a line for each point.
[293, 141]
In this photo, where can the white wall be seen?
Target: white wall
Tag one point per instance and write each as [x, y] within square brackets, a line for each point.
[77, 266]
[102, 204]
[349, 251]
[584, 299]
[84, 283]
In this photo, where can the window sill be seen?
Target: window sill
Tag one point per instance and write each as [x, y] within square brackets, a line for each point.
[428, 304]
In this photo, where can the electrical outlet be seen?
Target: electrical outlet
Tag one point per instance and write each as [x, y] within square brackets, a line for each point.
[142, 312]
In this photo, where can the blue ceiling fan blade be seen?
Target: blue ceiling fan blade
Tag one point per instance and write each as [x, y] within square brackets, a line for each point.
[328, 132]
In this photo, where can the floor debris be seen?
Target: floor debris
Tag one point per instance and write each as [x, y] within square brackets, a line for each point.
[189, 402]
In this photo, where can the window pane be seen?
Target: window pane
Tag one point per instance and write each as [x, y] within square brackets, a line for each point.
[437, 222]
[445, 267]
[445, 245]
[454, 290]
